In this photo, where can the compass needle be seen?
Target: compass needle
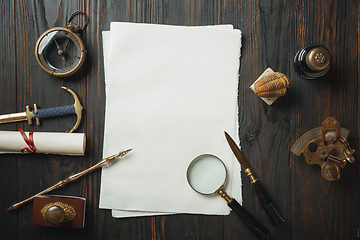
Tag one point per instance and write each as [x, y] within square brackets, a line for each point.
[65, 44]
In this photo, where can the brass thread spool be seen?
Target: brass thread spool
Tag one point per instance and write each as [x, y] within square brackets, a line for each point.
[312, 62]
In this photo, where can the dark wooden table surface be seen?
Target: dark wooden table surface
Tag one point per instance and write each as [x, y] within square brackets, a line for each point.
[273, 31]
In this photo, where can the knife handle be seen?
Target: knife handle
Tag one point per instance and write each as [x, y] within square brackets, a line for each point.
[267, 204]
[259, 230]
[55, 111]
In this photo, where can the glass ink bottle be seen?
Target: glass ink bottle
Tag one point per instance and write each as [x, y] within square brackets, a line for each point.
[312, 61]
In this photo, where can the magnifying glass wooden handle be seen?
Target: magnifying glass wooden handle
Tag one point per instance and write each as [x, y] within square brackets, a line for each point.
[259, 230]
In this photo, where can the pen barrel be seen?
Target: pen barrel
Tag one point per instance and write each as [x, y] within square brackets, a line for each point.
[267, 204]
[259, 230]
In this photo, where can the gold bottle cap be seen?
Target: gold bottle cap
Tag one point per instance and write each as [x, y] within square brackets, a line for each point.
[318, 59]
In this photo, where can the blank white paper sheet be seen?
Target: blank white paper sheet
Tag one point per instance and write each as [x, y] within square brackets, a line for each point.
[171, 92]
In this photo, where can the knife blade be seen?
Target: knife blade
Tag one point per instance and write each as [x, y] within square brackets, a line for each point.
[17, 117]
[264, 198]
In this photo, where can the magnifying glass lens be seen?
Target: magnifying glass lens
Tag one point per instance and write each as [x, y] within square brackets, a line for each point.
[206, 174]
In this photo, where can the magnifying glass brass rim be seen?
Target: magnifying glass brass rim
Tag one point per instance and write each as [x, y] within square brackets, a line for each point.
[194, 161]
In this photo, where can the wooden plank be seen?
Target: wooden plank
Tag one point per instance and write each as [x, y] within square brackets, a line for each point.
[95, 98]
[39, 171]
[265, 130]
[8, 104]
[314, 200]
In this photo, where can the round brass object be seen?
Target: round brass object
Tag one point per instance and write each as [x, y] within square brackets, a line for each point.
[318, 59]
[55, 215]
[58, 212]
[312, 61]
[60, 51]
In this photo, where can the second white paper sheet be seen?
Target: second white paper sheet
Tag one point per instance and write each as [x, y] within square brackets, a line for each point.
[171, 92]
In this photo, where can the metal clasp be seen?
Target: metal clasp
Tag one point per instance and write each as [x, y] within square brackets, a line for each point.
[75, 27]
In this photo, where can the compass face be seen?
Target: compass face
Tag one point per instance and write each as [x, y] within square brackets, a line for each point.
[60, 52]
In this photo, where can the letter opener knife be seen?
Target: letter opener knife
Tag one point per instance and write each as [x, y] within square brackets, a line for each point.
[264, 198]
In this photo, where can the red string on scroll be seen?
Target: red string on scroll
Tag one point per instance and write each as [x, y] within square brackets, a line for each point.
[29, 141]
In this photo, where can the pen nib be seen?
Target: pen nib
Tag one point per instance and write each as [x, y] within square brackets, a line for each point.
[123, 153]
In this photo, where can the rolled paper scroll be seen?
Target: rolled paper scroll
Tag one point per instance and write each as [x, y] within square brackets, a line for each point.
[44, 142]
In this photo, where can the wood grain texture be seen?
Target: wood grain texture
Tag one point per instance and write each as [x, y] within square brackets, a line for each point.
[272, 33]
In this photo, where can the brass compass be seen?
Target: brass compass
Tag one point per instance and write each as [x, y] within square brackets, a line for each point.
[60, 51]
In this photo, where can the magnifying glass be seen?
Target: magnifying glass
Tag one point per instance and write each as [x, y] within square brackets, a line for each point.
[206, 174]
